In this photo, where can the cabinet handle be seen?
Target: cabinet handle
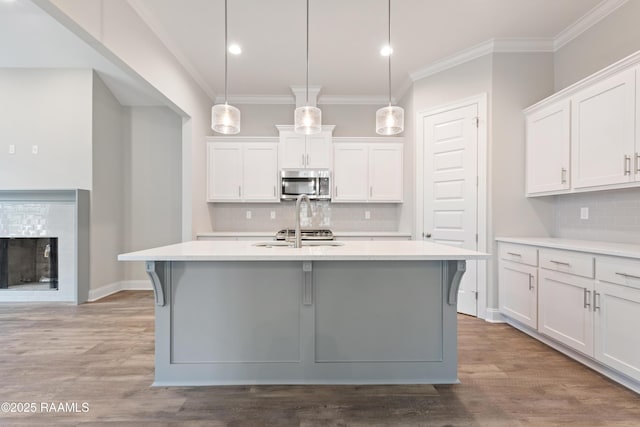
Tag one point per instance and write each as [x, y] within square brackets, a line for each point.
[627, 165]
[625, 275]
[336, 191]
[239, 191]
[274, 191]
[596, 301]
[560, 262]
[530, 280]
[637, 162]
[514, 254]
[307, 164]
[303, 160]
[370, 191]
[587, 298]
[563, 175]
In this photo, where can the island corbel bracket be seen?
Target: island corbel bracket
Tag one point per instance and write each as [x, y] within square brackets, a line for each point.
[453, 275]
[156, 269]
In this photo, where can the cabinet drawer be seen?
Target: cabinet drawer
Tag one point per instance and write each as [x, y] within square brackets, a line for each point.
[576, 263]
[621, 271]
[519, 253]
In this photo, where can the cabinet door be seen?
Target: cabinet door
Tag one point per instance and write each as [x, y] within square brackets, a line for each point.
[617, 341]
[224, 172]
[260, 172]
[293, 154]
[518, 292]
[319, 151]
[564, 309]
[603, 133]
[385, 173]
[548, 142]
[350, 173]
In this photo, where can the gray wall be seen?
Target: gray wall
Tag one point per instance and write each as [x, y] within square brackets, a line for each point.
[152, 182]
[613, 38]
[107, 195]
[52, 109]
[614, 215]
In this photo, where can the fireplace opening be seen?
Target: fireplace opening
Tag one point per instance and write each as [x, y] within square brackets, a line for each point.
[29, 263]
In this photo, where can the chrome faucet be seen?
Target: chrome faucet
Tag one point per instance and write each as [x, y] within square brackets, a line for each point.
[298, 235]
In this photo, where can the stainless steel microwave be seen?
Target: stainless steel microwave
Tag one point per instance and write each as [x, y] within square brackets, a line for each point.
[315, 183]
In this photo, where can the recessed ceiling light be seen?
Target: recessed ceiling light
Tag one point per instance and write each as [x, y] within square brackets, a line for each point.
[235, 49]
[386, 50]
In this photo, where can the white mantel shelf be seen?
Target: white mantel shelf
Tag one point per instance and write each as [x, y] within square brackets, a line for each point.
[350, 251]
[594, 247]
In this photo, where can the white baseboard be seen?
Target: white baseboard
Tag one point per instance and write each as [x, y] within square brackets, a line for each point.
[494, 316]
[125, 285]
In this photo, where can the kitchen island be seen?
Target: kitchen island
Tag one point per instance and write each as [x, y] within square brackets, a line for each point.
[369, 312]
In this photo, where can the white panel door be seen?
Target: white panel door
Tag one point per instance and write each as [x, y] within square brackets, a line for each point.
[260, 172]
[350, 173]
[617, 341]
[385, 172]
[450, 189]
[548, 149]
[603, 132]
[565, 309]
[318, 151]
[224, 171]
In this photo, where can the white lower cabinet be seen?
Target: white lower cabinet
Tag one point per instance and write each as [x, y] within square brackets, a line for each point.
[565, 309]
[617, 315]
[586, 302]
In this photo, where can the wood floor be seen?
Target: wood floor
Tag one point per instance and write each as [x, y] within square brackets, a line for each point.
[101, 355]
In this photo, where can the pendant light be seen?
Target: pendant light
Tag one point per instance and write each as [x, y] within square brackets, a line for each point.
[225, 118]
[389, 119]
[308, 119]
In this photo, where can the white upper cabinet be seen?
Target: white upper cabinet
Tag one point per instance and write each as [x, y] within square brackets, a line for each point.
[548, 149]
[367, 171]
[603, 129]
[242, 171]
[305, 151]
[587, 136]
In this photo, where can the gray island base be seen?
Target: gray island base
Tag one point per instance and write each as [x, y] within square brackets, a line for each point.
[316, 316]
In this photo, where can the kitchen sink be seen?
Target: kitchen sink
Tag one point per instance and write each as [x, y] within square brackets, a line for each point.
[285, 244]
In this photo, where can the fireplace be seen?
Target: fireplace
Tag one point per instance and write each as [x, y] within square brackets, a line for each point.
[29, 263]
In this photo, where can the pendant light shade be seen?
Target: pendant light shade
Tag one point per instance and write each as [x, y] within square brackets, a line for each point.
[307, 120]
[389, 119]
[225, 118]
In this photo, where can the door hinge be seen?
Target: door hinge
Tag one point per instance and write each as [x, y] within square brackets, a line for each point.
[476, 296]
[476, 121]
[476, 237]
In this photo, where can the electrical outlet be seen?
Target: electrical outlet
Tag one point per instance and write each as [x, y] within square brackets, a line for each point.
[273, 215]
[584, 213]
[367, 214]
[34, 149]
[12, 149]
[248, 214]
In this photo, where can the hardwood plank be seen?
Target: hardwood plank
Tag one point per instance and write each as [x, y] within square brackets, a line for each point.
[103, 353]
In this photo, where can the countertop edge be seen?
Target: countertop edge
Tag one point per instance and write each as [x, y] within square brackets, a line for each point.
[626, 250]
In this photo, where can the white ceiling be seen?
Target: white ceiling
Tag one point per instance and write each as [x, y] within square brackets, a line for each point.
[345, 38]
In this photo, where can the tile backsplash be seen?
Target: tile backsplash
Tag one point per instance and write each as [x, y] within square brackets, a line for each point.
[336, 216]
[614, 216]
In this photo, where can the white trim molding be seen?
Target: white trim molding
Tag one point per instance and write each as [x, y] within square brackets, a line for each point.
[115, 287]
[493, 315]
[591, 18]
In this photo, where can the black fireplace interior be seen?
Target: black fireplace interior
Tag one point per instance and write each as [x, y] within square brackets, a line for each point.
[29, 263]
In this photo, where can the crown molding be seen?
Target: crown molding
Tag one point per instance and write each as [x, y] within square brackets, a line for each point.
[523, 45]
[257, 99]
[461, 57]
[591, 18]
[353, 100]
[171, 46]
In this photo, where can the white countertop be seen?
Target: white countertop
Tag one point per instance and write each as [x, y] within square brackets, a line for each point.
[335, 233]
[202, 250]
[590, 246]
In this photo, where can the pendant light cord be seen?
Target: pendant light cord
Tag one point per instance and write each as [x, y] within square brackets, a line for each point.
[389, 46]
[307, 52]
[225, 52]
